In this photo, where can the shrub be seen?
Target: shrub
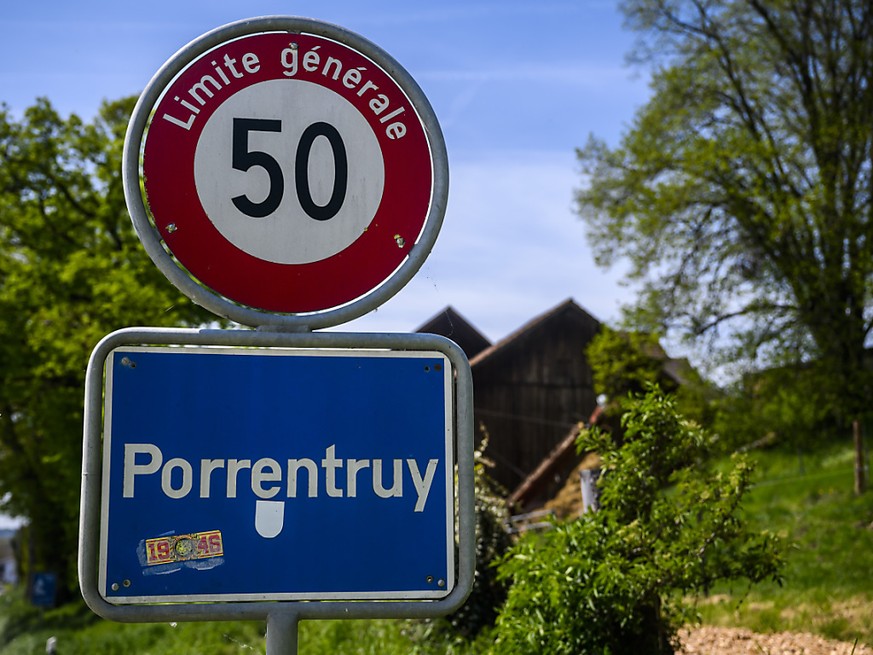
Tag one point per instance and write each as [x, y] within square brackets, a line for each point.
[492, 542]
[617, 581]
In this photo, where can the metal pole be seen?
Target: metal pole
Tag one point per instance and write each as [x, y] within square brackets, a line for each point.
[282, 633]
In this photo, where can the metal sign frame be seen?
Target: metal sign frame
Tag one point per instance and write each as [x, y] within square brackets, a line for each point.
[214, 301]
[281, 615]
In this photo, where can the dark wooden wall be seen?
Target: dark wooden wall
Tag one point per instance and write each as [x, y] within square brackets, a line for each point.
[530, 388]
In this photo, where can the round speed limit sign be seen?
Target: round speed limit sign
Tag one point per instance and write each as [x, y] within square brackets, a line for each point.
[283, 170]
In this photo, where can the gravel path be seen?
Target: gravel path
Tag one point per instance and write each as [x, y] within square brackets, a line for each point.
[737, 641]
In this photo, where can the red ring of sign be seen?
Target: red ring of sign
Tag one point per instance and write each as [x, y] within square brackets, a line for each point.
[195, 243]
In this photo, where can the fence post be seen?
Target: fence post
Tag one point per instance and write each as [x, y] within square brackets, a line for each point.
[860, 478]
[590, 490]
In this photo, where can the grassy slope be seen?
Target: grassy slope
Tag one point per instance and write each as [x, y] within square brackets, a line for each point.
[828, 587]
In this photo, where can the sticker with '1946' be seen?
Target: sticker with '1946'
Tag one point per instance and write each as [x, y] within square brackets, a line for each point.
[184, 547]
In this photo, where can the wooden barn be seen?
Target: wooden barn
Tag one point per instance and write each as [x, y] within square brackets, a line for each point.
[529, 388]
[555, 485]
[533, 391]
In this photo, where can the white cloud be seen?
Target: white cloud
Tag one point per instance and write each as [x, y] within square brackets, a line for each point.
[510, 248]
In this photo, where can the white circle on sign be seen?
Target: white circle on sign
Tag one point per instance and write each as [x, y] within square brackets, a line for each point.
[289, 171]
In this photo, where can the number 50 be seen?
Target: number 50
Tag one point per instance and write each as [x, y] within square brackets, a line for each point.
[243, 159]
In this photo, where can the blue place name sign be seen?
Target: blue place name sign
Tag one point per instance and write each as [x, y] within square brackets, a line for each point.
[234, 474]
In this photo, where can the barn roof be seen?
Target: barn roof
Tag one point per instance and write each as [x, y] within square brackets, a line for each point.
[562, 458]
[449, 323]
[568, 307]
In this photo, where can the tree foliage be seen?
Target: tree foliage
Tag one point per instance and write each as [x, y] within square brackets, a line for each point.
[616, 581]
[741, 194]
[781, 407]
[624, 364]
[71, 271]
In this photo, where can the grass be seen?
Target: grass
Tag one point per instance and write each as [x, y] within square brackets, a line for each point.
[809, 500]
[24, 630]
[828, 578]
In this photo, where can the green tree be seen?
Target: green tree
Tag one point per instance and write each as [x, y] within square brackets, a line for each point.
[781, 407]
[616, 581]
[625, 363]
[741, 194]
[71, 271]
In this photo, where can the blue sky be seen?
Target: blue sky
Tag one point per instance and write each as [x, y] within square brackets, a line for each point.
[516, 86]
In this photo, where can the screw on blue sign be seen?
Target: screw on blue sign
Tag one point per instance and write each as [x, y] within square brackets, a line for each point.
[268, 474]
